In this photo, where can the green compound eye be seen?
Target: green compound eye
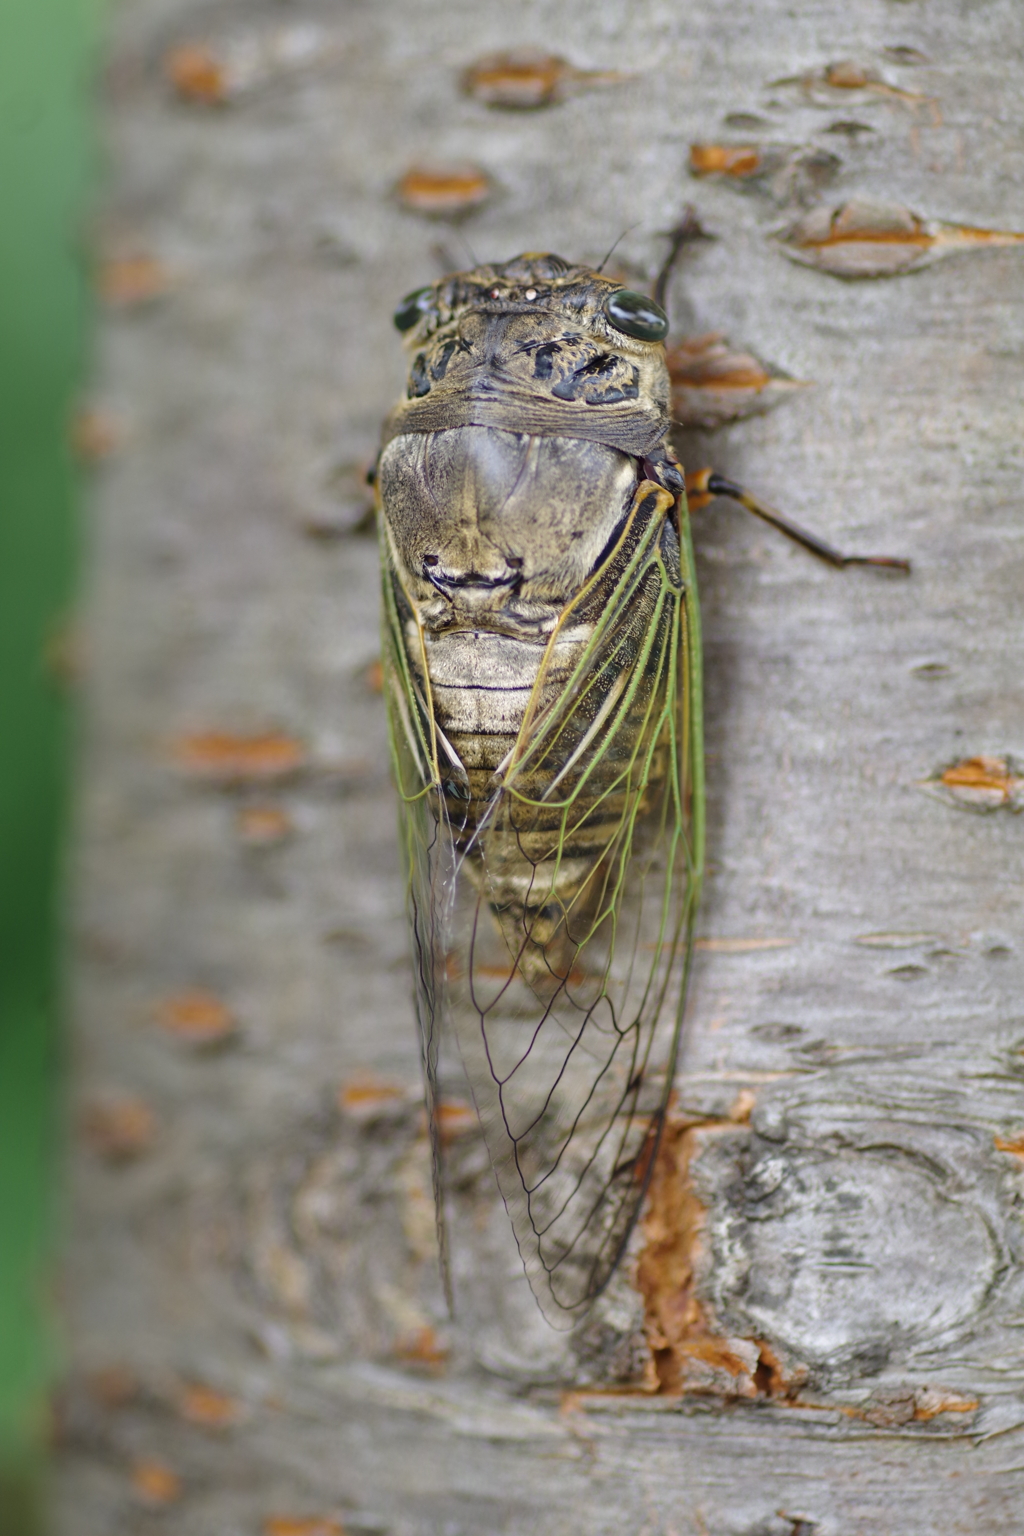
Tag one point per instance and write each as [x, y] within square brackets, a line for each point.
[412, 308]
[636, 315]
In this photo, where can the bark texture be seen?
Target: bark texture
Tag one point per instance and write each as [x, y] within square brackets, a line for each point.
[819, 1330]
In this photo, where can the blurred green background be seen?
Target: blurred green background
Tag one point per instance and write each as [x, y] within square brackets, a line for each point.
[46, 165]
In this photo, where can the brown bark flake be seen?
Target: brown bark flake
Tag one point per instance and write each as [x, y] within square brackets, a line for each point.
[208, 1408]
[119, 1129]
[125, 281]
[366, 1097]
[224, 758]
[713, 384]
[864, 238]
[263, 826]
[524, 79]
[739, 160]
[983, 783]
[155, 1483]
[689, 1353]
[422, 1348]
[309, 1525]
[197, 74]
[196, 1018]
[442, 191]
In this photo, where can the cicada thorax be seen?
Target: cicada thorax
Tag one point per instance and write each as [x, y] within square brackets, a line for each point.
[540, 680]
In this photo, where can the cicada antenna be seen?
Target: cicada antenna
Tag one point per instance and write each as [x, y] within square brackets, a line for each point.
[446, 257]
[611, 252]
[474, 258]
[689, 228]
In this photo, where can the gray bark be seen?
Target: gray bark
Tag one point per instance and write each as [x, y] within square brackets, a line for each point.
[852, 1225]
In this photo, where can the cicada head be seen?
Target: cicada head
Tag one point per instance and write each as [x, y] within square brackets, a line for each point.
[540, 327]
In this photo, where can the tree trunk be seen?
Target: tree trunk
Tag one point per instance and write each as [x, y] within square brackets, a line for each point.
[818, 1326]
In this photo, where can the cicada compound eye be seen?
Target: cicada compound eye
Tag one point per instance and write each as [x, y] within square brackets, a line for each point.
[412, 308]
[636, 315]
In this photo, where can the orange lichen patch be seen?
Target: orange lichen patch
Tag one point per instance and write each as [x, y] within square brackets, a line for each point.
[455, 1119]
[712, 384]
[208, 1408]
[196, 1018]
[365, 1097]
[990, 776]
[123, 281]
[525, 79]
[228, 759]
[214, 73]
[302, 1525]
[688, 1352]
[522, 79]
[155, 1483]
[263, 826]
[197, 74]
[863, 238]
[422, 1347]
[789, 173]
[443, 191]
[1013, 1144]
[94, 434]
[982, 784]
[119, 1129]
[737, 160]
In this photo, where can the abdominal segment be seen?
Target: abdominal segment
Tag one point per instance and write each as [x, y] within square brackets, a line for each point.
[538, 890]
[542, 847]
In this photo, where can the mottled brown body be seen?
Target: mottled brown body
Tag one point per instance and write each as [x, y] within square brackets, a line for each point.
[534, 668]
[494, 531]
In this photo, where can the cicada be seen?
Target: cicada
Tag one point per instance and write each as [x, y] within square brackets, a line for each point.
[542, 674]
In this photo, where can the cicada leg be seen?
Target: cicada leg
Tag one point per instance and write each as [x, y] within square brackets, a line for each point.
[687, 230]
[705, 484]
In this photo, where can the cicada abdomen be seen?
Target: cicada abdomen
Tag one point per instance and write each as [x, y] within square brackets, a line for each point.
[542, 674]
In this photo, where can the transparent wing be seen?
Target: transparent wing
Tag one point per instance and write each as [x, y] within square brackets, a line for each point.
[552, 928]
[421, 769]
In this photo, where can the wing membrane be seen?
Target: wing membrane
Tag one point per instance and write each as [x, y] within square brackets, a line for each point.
[552, 934]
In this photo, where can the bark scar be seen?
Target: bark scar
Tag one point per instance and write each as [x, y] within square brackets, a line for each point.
[689, 1352]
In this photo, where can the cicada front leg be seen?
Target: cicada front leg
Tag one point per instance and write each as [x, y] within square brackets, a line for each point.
[704, 485]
